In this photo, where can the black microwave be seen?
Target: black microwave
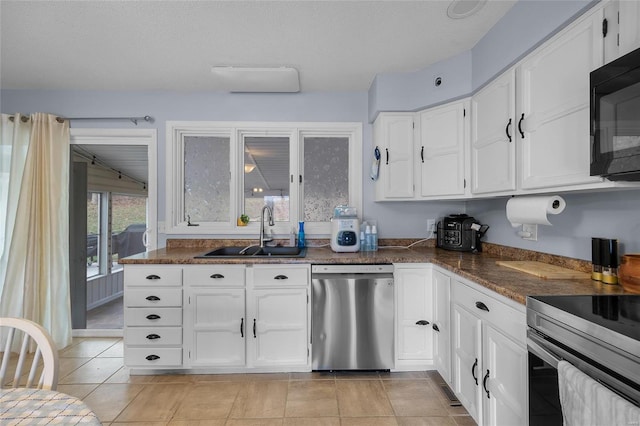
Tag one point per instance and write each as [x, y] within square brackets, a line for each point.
[615, 119]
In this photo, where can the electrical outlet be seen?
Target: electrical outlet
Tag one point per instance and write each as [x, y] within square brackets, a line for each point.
[431, 228]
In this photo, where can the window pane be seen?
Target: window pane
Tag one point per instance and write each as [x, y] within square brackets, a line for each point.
[266, 176]
[93, 234]
[128, 224]
[207, 194]
[326, 176]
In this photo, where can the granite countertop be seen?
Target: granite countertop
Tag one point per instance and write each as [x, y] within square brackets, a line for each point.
[480, 268]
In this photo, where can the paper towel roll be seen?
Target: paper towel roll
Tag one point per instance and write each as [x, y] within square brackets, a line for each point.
[533, 210]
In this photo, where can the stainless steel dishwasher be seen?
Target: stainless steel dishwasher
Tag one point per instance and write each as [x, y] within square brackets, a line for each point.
[352, 317]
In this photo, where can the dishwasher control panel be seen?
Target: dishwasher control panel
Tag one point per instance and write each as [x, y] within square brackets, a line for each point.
[352, 269]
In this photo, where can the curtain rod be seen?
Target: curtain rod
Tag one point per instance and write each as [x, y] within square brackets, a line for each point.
[134, 120]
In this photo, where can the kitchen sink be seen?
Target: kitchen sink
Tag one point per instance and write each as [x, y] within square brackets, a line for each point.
[254, 251]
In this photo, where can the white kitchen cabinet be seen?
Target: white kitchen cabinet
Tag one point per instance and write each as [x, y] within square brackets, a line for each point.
[553, 107]
[542, 106]
[493, 136]
[489, 355]
[153, 316]
[441, 324]
[279, 327]
[414, 316]
[247, 317]
[623, 28]
[217, 323]
[505, 369]
[393, 134]
[442, 147]
[466, 353]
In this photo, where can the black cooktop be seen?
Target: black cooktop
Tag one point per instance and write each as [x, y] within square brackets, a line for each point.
[619, 313]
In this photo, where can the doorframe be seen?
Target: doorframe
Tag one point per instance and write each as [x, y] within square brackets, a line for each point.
[146, 137]
[149, 138]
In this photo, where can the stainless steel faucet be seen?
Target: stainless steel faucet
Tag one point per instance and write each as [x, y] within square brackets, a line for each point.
[270, 217]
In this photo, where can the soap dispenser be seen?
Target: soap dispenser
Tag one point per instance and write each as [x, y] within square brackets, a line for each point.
[301, 239]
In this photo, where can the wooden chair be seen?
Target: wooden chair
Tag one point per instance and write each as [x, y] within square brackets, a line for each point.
[45, 350]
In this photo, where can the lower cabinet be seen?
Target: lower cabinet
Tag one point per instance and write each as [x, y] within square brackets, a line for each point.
[441, 326]
[153, 317]
[253, 321]
[278, 319]
[489, 356]
[414, 316]
[222, 318]
[216, 317]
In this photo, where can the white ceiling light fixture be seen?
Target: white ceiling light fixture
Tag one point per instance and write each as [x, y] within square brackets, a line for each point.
[248, 168]
[258, 79]
[459, 9]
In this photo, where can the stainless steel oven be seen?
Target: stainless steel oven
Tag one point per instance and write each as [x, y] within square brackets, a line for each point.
[599, 335]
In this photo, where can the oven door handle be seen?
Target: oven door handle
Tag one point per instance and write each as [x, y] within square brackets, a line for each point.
[534, 346]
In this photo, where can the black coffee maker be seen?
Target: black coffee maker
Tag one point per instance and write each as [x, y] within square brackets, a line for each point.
[460, 232]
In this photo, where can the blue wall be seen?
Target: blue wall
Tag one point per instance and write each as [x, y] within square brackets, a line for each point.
[214, 106]
[610, 214]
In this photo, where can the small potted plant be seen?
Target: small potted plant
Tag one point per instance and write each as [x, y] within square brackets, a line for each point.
[243, 220]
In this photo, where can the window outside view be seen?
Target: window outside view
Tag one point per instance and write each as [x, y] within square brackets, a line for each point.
[128, 224]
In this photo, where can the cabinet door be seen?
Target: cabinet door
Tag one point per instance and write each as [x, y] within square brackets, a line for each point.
[393, 134]
[441, 324]
[467, 378]
[441, 151]
[623, 32]
[504, 391]
[216, 326]
[414, 314]
[493, 147]
[278, 332]
[553, 107]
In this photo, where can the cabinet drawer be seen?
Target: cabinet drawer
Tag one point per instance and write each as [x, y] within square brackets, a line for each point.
[152, 275]
[503, 317]
[149, 297]
[153, 316]
[152, 336]
[215, 275]
[278, 275]
[153, 357]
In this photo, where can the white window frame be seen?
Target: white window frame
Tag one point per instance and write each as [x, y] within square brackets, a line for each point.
[177, 130]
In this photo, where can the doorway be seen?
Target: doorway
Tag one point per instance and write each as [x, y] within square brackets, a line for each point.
[113, 212]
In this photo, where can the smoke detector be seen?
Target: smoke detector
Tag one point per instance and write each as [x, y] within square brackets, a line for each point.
[459, 9]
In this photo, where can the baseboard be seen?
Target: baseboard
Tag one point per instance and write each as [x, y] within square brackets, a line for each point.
[97, 332]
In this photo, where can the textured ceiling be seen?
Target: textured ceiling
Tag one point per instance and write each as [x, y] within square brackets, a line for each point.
[172, 45]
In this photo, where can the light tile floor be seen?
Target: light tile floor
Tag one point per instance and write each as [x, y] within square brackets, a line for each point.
[92, 369]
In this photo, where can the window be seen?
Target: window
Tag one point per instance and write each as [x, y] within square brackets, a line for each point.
[96, 227]
[217, 171]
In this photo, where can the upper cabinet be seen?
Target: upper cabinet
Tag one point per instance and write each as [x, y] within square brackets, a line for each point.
[622, 28]
[553, 107]
[443, 138]
[423, 153]
[530, 126]
[493, 145]
[393, 134]
[525, 132]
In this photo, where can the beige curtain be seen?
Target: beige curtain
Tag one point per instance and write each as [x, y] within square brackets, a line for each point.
[35, 284]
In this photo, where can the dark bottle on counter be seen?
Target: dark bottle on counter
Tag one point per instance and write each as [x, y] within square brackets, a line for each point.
[596, 259]
[609, 253]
